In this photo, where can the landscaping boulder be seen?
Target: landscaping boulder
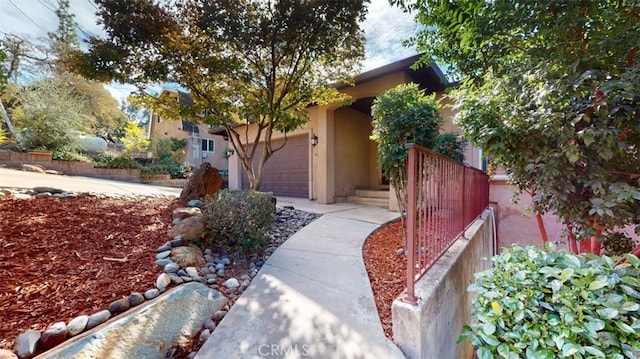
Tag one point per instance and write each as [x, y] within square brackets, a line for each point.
[190, 229]
[205, 181]
[55, 334]
[32, 168]
[186, 212]
[188, 256]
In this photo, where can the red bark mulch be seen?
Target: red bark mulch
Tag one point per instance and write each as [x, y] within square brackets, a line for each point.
[58, 257]
[387, 270]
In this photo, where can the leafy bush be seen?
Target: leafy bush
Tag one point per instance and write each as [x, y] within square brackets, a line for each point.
[70, 155]
[539, 303]
[238, 220]
[168, 165]
[451, 145]
[114, 161]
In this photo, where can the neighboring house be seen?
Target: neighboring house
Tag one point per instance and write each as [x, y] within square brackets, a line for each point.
[202, 146]
[332, 158]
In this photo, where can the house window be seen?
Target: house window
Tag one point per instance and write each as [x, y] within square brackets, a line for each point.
[208, 145]
[158, 119]
[194, 151]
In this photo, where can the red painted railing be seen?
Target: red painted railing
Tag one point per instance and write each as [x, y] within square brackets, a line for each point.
[444, 197]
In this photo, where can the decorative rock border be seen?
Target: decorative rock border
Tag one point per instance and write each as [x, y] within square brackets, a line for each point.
[287, 221]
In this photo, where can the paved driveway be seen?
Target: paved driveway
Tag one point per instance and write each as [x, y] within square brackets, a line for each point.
[21, 179]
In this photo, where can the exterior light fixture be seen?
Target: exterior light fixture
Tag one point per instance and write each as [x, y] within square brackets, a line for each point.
[314, 140]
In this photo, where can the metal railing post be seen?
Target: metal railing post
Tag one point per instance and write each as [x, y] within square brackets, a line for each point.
[411, 225]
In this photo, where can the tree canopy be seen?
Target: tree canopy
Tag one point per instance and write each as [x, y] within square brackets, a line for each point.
[551, 90]
[245, 61]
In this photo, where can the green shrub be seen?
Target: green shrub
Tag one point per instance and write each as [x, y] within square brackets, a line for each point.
[238, 220]
[539, 303]
[114, 161]
[70, 155]
[168, 165]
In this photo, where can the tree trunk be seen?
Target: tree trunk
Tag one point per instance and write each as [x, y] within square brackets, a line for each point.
[7, 120]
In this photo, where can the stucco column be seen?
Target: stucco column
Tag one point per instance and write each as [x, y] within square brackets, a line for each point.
[324, 178]
[235, 172]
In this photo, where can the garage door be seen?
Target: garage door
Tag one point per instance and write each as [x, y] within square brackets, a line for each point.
[286, 173]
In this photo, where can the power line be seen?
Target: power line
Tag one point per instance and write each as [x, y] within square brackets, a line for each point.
[27, 16]
[92, 4]
[47, 5]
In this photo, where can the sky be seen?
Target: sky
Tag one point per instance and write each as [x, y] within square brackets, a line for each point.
[385, 29]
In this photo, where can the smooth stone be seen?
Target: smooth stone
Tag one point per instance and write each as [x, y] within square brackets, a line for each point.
[204, 335]
[163, 255]
[177, 241]
[171, 267]
[186, 279]
[175, 279]
[163, 281]
[163, 262]
[98, 318]
[209, 324]
[195, 203]
[226, 261]
[219, 266]
[7, 354]
[151, 293]
[25, 344]
[55, 334]
[218, 315]
[231, 283]
[119, 306]
[245, 283]
[164, 247]
[210, 276]
[221, 273]
[182, 272]
[43, 195]
[77, 325]
[245, 277]
[211, 280]
[192, 272]
[135, 299]
[42, 189]
[208, 251]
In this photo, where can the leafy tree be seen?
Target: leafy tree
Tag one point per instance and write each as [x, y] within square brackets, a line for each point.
[135, 139]
[49, 118]
[403, 115]
[243, 62]
[551, 90]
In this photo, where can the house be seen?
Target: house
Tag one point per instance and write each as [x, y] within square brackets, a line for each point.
[202, 146]
[332, 158]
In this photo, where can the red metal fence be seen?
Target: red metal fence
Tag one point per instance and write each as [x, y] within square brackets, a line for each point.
[444, 197]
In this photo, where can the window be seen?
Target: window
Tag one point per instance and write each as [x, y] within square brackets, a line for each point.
[158, 119]
[208, 145]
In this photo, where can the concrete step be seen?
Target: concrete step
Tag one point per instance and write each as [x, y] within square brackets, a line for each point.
[369, 201]
[372, 193]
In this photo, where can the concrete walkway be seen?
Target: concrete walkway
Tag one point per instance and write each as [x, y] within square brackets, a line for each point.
[312, 297]
[22, 179]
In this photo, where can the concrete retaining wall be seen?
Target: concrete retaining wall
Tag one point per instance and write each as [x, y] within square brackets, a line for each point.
[430, 328]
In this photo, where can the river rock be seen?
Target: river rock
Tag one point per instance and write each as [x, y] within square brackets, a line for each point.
[7, 354]
[55, 334]
[119, 306]
[231, 283]
[77, 325]
[151, 293]
[26, 344]
[163, 282]
[135, 299]
[98, 318]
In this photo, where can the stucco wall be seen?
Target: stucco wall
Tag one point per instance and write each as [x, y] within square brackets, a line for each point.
[352, 130]
[430, 328]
